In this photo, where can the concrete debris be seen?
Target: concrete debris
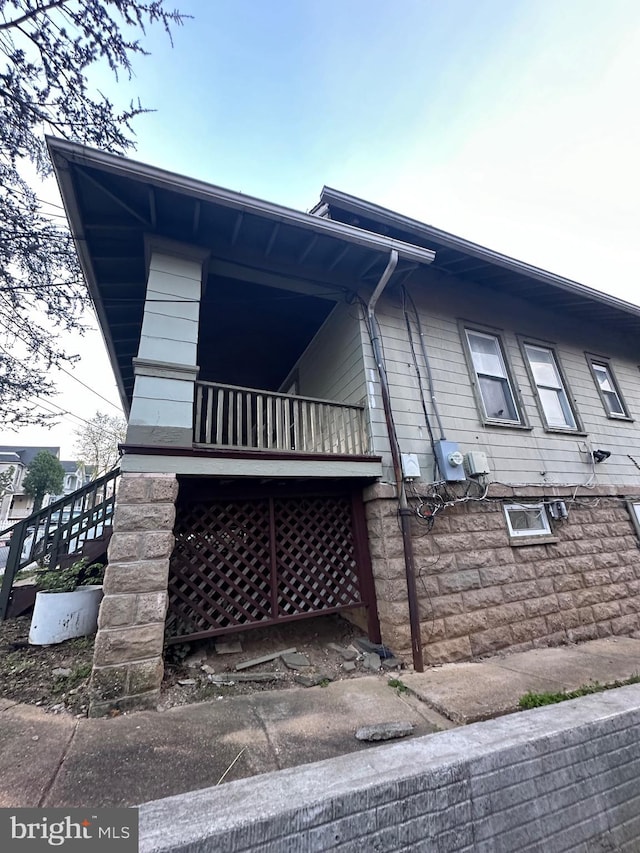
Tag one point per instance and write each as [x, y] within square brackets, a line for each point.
[208, 669]
[312, 680]
[295, 660]
[239, 677]
[61, 672]
[348, 666]
[391, 663]
[231, 647]
[345, 653]
[186, 682]
[368, 646]
[371, 660]
[264, 659]
[385, 731]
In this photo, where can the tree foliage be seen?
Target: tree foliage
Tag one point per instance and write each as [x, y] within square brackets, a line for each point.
[97, 443]
[6, 480]
[45, 475]
[48, 49]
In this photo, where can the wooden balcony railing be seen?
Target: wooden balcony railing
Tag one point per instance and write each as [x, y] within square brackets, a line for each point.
[230, 416]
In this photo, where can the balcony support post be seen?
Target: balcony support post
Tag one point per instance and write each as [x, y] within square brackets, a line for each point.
[166, 365]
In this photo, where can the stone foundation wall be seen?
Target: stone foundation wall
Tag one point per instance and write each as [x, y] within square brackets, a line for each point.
[479, 593]
[127, 664]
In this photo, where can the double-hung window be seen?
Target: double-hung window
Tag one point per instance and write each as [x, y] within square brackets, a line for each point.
[492, 377]
[607, 387]
[544, 368]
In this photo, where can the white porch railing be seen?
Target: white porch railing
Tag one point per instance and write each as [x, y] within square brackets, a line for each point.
[230, 416]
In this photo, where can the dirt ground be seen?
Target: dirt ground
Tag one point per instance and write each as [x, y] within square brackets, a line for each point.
[57, 677]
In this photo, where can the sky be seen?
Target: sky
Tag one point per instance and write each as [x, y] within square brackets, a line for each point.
[512, 123]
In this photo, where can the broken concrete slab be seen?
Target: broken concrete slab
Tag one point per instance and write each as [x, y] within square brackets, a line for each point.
[349, 666]
[345, 653]
[385, 731]
[186, 682]
[231, 647]
[208, 669]
[295, 660]
[371, 660]
[391, 663]
[264, 659]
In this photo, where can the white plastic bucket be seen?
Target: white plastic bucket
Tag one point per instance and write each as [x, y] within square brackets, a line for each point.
[60, 616]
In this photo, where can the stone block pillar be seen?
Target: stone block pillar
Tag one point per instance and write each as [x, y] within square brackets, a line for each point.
[127, 663]
[387, 563]
[166, 365]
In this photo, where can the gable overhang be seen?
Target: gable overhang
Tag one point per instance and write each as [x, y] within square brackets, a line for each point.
[470, 261]
[113, 204]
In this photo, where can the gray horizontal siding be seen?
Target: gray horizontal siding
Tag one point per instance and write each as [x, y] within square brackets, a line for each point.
[531, 456]
[332, 366]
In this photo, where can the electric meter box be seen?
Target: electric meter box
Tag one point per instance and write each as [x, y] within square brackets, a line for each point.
[475, 464]
[450, 460]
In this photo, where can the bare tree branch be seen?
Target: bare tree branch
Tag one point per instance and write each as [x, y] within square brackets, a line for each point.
[46, 52]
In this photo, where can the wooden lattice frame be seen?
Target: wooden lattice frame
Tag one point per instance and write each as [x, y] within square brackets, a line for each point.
[257, 561]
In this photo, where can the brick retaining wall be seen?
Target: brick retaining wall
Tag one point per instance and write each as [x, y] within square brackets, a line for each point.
[559, 778]
[479, 593]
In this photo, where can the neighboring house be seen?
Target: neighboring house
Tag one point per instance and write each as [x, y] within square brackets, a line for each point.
[76, 475]
[350, 411]
[17, 505]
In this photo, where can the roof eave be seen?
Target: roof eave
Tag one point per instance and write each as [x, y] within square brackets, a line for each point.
[365, 208]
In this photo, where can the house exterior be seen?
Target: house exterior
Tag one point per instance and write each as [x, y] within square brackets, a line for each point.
[350, 411]
[16, 505]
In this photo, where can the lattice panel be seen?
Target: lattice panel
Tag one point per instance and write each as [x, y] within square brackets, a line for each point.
[220, 567]
[224, 564]
[315, 557]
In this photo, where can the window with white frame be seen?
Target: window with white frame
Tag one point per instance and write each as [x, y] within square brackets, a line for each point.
[527, 520]
[607, 388]
[552, 394]
[493, 382]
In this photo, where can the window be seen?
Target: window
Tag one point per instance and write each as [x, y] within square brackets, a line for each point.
[493, 383]
[527, 520]
[552, 395]
[607, 388]
[634, 512]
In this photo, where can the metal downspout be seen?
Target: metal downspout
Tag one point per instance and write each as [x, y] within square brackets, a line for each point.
[405, 512]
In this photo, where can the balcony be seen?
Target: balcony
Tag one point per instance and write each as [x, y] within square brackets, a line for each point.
[229, 416]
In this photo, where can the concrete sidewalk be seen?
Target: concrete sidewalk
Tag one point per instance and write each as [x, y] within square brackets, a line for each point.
[468, 692]
[56, 760]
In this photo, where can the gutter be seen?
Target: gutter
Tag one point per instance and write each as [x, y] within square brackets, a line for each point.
[360, 207]
[404, 511]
